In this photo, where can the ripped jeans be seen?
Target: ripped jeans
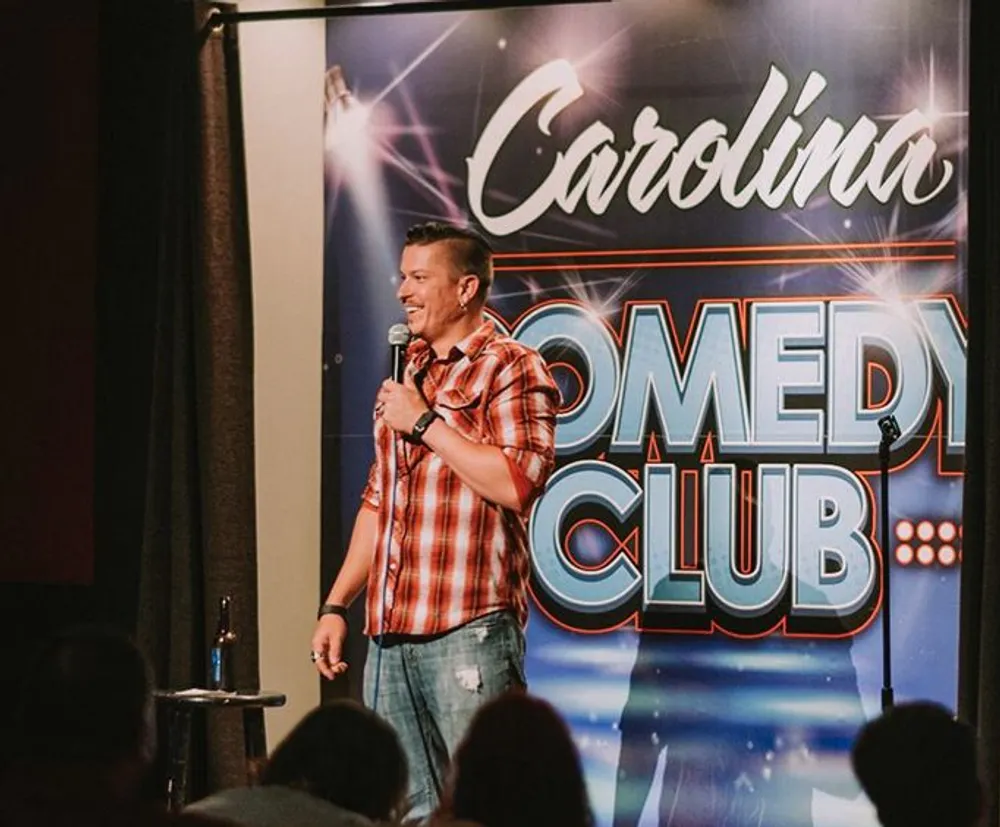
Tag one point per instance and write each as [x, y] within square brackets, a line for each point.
[429, 689]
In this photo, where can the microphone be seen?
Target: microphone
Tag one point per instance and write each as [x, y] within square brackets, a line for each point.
[399, 337]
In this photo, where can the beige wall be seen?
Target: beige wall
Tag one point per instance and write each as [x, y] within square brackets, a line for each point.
[282, 65]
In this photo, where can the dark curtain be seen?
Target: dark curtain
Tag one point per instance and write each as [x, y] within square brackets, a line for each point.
[199, 538]
[979, 662]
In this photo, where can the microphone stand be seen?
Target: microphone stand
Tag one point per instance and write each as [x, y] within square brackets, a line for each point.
[890, 433]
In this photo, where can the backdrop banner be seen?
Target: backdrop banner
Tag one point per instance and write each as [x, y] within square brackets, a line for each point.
[737, 232]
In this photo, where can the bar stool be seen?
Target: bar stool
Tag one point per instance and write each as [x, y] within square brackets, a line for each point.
[183, 703]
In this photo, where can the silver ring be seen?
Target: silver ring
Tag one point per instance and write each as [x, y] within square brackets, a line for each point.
[315, 656]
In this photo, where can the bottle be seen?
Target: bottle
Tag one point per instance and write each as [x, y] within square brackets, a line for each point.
[220, 675]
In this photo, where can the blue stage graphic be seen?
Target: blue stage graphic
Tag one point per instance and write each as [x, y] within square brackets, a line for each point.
[737, 233]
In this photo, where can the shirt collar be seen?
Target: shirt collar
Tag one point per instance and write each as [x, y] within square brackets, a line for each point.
[420, 353]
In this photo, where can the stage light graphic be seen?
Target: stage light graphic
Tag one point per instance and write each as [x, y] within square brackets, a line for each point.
[947, 556]
[925, 530]
[904, 531]
[937, 543]
[925, 88]
[347, 118]
[354, 174]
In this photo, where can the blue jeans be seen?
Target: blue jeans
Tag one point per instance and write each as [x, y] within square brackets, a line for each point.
[430, 687]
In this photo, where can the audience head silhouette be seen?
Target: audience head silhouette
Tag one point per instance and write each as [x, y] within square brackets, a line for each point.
[918, 766]
[518, 767]
[345, 754]
[84, 738]
[87, 697]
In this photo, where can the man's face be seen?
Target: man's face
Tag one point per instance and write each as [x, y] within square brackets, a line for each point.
[431, 290]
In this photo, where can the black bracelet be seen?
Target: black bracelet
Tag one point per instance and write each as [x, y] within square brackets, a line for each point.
[424, 421]
[333, 609]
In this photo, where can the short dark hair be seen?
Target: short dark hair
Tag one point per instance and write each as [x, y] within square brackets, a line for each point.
[518, 767]
[470, 252]
[85, 697]
[345, 754]
[917, 764]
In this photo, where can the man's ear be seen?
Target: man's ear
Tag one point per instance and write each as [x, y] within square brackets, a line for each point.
[468, 288]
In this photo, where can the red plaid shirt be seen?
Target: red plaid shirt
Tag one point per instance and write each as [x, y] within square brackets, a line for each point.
[455, 556]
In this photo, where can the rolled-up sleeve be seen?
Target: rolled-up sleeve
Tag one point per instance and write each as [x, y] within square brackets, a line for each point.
[372, 495]
[522, 420]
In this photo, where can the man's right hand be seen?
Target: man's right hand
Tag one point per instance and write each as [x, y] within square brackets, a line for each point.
[328, 646]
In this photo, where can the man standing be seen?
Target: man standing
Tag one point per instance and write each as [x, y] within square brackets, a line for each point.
[462, 448]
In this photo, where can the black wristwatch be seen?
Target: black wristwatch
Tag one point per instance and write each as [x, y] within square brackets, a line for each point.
[423, 423]
[333, 609]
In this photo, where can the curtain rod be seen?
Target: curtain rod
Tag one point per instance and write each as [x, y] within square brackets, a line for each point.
[379, 7]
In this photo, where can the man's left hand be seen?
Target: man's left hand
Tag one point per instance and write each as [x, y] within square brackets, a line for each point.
[399, 405]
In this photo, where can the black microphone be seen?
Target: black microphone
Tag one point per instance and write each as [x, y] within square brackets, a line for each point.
[399, 337]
